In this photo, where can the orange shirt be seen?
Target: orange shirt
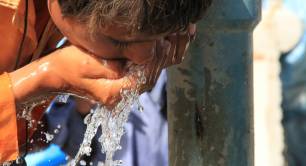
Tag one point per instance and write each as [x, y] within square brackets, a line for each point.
[8, 127]
[11, 31]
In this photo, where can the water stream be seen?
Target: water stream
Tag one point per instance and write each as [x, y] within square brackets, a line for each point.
[112, 123]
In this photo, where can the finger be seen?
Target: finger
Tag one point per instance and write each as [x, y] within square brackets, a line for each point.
[183, 42]
[93, 67]
[167, 52]
[108, 91]
[99, 68]
[170, 56]
[192, 31]
[161, 55]
[150, 68]
[173, 40]
[166, 47]
[85, 64]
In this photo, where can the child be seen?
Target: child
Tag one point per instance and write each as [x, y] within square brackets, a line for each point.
[104, 36]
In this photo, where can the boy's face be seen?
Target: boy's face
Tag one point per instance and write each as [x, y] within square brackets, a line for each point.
[110, 42]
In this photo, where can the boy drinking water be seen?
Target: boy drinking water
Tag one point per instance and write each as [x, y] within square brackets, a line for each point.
[105, 36]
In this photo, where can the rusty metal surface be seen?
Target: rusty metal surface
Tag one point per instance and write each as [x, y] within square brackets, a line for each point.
[210, 98]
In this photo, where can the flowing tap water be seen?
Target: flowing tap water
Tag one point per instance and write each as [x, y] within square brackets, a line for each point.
[111, 121]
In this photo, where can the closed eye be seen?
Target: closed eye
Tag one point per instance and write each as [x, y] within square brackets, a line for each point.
[121, 45]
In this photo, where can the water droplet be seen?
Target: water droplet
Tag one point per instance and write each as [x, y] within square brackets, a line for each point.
[82, 162]
[140, 108]
[56, 131]
[49, 137]
[118, 163]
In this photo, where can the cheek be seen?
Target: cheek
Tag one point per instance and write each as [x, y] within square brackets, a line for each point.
[140, 54]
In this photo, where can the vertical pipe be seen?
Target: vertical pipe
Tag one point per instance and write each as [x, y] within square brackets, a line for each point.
[210, 98]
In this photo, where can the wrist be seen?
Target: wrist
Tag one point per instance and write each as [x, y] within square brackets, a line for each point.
[27, 82]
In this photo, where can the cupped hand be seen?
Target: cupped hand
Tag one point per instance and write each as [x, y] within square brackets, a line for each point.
[70, 70]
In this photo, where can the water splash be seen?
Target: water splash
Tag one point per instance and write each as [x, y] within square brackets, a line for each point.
[112, 123]
[111, 120]
[83, 163]
[26, 109]
[49, 137]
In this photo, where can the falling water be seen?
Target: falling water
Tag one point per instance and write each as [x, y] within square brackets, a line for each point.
[111, 121]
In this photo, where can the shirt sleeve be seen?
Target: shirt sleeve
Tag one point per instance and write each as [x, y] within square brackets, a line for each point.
[9, 3]
[8, 124]
[17, 20]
